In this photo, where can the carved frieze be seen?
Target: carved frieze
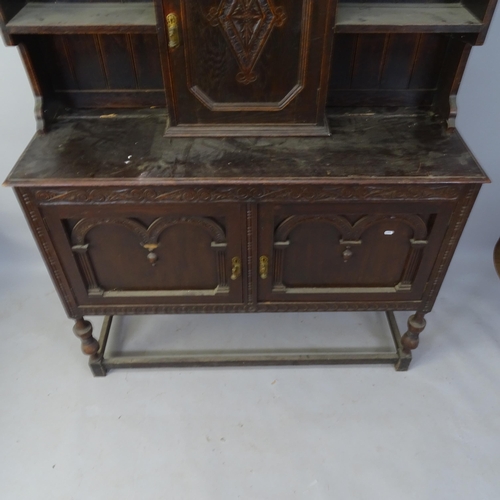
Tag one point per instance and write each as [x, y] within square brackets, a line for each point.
[290, 193]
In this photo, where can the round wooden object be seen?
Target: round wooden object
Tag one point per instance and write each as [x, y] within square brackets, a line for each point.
[496, 257]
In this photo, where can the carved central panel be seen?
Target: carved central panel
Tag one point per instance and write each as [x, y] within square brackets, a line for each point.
[351, 256]
[247, 25]
[94, 257]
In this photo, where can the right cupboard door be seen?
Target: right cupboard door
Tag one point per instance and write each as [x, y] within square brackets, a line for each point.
[350, 251]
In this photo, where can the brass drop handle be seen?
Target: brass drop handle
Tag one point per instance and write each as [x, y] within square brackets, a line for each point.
[263, 266]
[152, 256]
[236, 268]
[347, 253]
[173, 31]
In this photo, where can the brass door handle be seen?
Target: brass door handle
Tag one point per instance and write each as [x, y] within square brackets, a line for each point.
[173, 31]
[347, 253]
[152, 256]
[236, 268]
[263, 266]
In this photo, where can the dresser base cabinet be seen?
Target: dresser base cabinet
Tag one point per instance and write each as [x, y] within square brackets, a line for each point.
[246, 156]
[132, 223]
[248, 248]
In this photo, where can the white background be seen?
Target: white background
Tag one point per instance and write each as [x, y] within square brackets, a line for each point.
[261, 433]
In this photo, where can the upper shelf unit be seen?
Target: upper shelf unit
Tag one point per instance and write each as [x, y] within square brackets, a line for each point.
[405, 18]
[139, 17]
[71, 18]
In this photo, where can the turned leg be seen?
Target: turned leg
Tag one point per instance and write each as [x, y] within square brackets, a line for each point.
[83, 330]
[416, 324]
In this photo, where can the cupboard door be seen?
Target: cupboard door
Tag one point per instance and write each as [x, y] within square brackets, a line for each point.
[348, 252]
[175, 255]
[246, 61]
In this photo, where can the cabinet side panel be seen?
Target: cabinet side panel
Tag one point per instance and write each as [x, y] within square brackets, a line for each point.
[461, 213]
[49, 254]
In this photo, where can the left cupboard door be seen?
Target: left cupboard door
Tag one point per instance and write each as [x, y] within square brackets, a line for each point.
[170, 254]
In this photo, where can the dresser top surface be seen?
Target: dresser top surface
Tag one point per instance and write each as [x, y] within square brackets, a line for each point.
[105, 149]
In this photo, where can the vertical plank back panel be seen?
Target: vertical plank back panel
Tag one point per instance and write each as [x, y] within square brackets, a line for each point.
[398, 69]
[85, 56]
[368, 61]
[101, 70]
[429, 61]
[147, 61]
[118, 61]
[343, 61]
[62, 72]
[399, 59]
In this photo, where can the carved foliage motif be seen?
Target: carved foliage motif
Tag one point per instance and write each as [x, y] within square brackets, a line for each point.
[245, 193]
[460, 218]
[246, 25]
[352, 231]
[49, 253]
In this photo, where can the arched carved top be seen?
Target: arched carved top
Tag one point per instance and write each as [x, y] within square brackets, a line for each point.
[286, 227]
[413, 221]
[159, 225]
[85, 225]
[351, 231]
[147, 234]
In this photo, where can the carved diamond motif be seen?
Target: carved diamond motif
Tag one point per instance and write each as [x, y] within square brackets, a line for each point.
[247, 25]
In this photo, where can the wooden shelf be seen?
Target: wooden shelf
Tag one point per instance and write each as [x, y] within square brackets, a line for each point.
[405, 18]
[357, 149]
[70, 18]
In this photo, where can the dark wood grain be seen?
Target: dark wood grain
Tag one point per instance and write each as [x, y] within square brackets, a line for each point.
[146, 55]
[405, 18]
[107, 255]
[368, 62]
[496, 257]
[96, 71]
[113, 99]
[457, 55]
[388, 70]
[85, 56]
[430, 61]
[426, 229]
[278, 79]
[71, 18]
[482, 10]
[399, 61]
[344, 50]
[118, 61]
[210, 204]
[338, 251]
[370, 146]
